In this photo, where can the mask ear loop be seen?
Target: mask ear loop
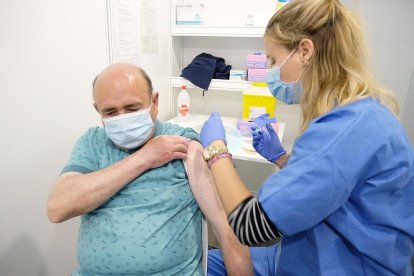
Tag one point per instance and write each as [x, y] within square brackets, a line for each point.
[286, 59]
[296, 94]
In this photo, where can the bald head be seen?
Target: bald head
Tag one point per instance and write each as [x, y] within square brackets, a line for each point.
[123, 72]
[123, 88]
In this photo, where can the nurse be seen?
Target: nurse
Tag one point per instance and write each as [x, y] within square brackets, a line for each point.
[343, 204]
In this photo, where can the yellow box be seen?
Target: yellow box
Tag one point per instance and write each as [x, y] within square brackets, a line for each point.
[257, 101]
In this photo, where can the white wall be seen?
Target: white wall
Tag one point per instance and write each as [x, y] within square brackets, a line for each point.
[408, 114]
[389, 27]
[133, 24]
[156, 64]
[50, 51]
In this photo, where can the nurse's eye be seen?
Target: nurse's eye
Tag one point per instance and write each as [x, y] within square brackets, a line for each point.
[270, 62]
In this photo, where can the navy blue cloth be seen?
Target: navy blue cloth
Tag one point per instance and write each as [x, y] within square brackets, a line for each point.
[204, 68]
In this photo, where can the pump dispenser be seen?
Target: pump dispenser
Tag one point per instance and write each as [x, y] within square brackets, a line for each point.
[183, 102]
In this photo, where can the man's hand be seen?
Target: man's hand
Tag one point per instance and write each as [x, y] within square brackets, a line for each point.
[163, 149]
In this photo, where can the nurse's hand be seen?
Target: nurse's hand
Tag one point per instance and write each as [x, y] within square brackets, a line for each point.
[267, 143]
[263, 119]
[212, 130]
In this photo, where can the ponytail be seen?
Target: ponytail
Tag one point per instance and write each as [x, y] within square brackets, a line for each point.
[338, 69]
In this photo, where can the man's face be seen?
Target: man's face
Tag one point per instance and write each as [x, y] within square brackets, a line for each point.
[117, 93]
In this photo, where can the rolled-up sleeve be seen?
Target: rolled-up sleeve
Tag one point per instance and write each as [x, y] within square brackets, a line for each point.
[80, 159]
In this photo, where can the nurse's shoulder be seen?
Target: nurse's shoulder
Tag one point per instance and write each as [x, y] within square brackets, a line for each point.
[364, 121]
[368, 113]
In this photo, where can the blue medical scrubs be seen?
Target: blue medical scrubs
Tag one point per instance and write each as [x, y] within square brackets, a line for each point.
[345, 201]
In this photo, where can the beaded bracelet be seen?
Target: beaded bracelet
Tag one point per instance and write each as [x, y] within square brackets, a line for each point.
[217, 157]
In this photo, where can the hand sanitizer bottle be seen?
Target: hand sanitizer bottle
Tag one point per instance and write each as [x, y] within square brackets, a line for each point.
[183, 102]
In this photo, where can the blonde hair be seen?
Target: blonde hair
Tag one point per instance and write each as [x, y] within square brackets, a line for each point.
[338, 70]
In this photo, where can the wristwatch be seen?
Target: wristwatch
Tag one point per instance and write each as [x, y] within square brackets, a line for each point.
[212, 150]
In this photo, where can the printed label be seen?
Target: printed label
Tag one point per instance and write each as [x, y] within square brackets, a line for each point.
[183, 110]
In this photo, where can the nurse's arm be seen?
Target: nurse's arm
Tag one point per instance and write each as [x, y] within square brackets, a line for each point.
[75, 193]
[236, 256]
[231, 188]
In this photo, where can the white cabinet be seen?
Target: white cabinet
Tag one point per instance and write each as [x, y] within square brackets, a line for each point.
[228, 38]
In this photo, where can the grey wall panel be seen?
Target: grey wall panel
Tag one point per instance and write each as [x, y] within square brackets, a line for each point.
[408, 114]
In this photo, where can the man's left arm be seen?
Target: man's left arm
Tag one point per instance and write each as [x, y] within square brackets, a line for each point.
[236, 256]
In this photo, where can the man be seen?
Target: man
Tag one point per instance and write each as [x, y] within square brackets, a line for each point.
[128, 182]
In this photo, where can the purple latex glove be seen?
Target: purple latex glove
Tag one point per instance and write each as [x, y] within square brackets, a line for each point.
[212, 130]
[263, 119]
[267, 143]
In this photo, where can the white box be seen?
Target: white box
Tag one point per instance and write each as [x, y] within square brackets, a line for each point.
[237, 75]
[189, 14]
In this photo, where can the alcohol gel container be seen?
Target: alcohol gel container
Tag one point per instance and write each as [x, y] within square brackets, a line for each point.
[183, 102]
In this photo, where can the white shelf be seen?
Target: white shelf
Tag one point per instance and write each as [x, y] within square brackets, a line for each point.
[240, 147]
[216, 84]
[242, 31]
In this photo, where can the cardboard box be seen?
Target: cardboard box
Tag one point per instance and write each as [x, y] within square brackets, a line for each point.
[189, 14]
[237, 74]
[256, 75]
[256, 61]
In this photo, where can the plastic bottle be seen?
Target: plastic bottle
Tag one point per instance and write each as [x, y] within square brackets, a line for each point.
[183, 102]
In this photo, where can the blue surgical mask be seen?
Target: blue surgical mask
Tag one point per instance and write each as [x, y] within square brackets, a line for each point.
[131, 130]
[289, 93]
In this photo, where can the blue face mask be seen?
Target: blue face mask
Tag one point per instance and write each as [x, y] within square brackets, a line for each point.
[289, 93]
[131, 130]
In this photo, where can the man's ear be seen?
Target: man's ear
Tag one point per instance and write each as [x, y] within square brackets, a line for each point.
[306, 49]
[154, 99]
[154, 103]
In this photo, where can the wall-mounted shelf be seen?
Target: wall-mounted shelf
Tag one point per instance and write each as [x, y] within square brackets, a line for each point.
[226, 37]
[216, 84]
[242, 31]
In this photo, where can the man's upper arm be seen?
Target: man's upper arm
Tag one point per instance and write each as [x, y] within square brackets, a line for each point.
[194, 158]
[65, 175]
[80, 159]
